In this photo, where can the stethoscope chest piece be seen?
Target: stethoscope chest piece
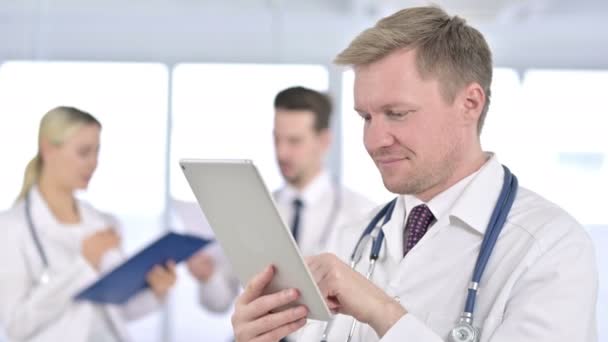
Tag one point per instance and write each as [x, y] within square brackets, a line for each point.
[464, 332]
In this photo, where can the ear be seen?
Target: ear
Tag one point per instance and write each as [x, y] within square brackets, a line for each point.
[325, 138]
[473, 101]
[46, 149]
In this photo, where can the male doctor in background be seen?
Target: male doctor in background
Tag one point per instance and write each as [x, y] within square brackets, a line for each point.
[422, 87]
[312, 202]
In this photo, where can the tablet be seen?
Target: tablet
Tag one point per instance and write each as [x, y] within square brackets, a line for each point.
[247, 224]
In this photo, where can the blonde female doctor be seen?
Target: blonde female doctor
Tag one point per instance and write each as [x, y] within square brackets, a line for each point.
[53, 244]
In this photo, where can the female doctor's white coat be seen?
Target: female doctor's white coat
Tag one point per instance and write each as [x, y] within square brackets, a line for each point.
[34, 312]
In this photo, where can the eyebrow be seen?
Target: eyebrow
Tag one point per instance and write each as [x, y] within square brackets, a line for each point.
[389, 106]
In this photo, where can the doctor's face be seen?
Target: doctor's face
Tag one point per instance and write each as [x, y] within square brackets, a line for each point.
[300, 148]
[72, 163]
[411, 132]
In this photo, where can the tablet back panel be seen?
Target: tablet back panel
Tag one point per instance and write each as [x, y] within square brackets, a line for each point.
[248, 226]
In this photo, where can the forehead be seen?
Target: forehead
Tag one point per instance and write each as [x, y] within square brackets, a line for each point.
[392, 79]
[294, 120]
[87, 133]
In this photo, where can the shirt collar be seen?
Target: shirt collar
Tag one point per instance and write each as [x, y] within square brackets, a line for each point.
[441, 204]
[466, 200]
[476, 204]
[312, 192]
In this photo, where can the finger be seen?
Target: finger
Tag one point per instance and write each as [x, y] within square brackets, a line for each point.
[256, 286]
[107, 232]
[206, 257]
[165, 275]
[317, 271]
[161, 281]
[320, 273]
[333, 304]
[170, 265]
[312, 261]
[281, 332]
[171, 275]
[200, 256]
[262, 305]
[325, 280]
[172, 268]
[155, 272]
[273, 321]
[110, 238]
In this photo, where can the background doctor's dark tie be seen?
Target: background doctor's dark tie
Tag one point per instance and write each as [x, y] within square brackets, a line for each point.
[295, 222]
[417, 224]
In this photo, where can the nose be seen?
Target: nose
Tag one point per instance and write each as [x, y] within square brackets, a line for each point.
[93, 163]
[281, 148]
[376, 133]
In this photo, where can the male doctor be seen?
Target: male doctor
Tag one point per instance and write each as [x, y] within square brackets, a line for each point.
[422, 87]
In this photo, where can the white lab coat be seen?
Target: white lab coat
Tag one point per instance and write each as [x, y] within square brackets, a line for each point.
[320, 197]
[47, 313]
[539, 285]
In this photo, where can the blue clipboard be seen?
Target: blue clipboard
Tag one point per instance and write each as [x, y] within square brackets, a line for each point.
[119, 285]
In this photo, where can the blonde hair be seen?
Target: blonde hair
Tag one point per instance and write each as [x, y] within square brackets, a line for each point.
[56, 126]
[446, 47]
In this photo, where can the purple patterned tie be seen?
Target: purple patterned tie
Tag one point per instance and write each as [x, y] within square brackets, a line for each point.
[417, 223]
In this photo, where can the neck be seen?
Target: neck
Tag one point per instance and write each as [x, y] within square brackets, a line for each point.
[467, 166]
[302, 183]
[60, 200]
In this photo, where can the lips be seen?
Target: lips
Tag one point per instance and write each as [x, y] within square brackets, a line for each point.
[284, 165]
[389, 160]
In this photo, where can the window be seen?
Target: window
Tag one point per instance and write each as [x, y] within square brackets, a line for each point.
[564, 133]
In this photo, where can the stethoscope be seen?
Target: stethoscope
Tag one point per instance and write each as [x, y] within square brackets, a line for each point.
[463, 331]
[45, 275]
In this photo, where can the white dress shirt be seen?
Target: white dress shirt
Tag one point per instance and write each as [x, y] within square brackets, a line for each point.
[539, 285]
[31, 311]
[327, 208]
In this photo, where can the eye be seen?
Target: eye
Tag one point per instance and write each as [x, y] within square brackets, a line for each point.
[366, 117]
[398, 114]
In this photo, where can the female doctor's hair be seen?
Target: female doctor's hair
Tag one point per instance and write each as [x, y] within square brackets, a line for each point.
[447, 48]
[56, 126]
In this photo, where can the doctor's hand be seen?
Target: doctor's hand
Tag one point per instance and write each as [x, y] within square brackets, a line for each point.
[255, 318]
[202, 266]
[95, 246]
[348, 292]
[161, 279]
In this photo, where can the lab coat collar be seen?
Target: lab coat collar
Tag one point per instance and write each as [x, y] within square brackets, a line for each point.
[45, 221]
[40, 210]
